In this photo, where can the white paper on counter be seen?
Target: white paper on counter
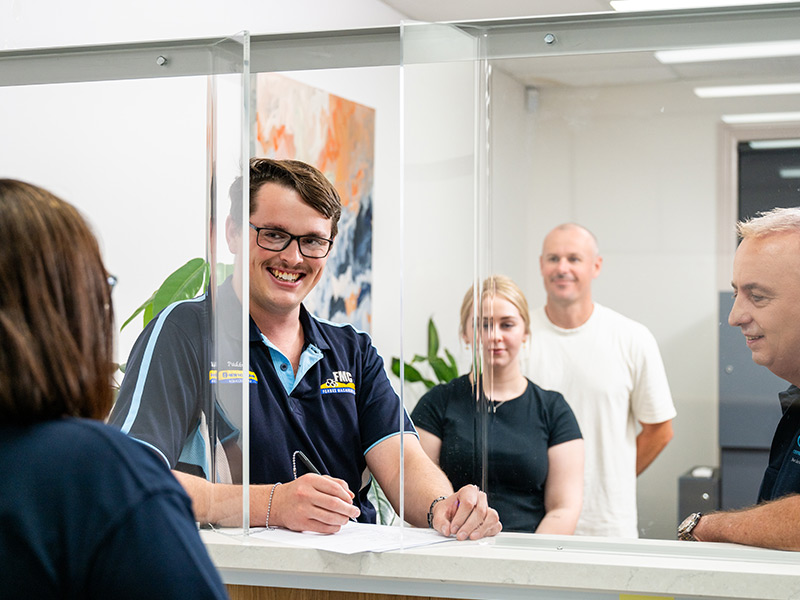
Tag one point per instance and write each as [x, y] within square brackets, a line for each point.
[356, 537]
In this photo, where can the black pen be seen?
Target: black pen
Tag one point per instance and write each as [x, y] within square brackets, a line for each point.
[308, 464]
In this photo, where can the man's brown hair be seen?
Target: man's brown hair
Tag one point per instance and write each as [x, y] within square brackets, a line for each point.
[309, 183]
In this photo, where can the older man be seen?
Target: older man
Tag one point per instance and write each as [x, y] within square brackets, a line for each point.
[766, 286]
[609, 369]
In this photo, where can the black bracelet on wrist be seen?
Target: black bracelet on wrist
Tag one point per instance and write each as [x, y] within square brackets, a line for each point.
[430, 510]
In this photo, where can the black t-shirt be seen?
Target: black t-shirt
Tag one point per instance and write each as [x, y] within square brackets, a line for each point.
[90, 513]
[519, 432]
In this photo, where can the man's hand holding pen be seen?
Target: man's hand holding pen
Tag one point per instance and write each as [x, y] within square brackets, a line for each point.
[313, 502]
[466, 515]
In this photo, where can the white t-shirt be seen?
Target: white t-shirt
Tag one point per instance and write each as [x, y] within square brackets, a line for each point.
[610, 372]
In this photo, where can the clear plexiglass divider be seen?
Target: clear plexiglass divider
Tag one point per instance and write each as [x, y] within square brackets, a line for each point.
[447, 209]
[512, 127]
[597, 150]
[228, 148]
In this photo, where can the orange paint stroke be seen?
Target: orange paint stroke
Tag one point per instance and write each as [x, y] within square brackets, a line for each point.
[260, 138]
[348, 126]
[351, 303]
[280, 143]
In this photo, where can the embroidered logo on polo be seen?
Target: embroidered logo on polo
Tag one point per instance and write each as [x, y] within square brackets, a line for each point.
[229, 376]
[340, 382]
[796, 452]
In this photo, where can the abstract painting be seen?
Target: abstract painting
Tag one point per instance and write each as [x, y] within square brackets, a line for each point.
[298, 121]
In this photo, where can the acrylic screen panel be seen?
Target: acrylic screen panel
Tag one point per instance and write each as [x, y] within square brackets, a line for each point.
[131, 155]
[620, 143]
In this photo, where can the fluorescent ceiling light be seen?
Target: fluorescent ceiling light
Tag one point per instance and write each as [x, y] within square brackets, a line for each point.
[737, 52]
[729, 91]
[643, 5]
[779, 117]
[773, 144]
[790, 173]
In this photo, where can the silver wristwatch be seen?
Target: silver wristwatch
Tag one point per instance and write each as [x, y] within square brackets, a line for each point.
[689, 523]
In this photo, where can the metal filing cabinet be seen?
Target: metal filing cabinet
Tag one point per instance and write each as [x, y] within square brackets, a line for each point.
[698, 491]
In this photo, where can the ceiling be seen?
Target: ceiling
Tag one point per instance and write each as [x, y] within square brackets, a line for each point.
[628, 68]
[469, 10]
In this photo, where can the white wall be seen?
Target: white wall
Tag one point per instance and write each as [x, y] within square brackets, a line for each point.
[439, 222]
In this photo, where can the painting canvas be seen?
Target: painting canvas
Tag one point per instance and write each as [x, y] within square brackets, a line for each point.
[298, 121]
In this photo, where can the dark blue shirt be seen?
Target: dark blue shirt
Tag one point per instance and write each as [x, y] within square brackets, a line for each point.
[88, 513]
[336, 407]
[782, 476]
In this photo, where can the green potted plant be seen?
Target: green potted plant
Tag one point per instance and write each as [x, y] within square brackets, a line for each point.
[444, 368]
[185, 282]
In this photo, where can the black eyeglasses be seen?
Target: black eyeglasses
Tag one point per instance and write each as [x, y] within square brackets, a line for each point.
[276, 240]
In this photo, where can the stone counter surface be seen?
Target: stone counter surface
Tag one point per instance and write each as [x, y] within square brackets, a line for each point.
[518, 566]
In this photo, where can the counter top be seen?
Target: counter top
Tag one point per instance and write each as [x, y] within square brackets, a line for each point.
[516, 565]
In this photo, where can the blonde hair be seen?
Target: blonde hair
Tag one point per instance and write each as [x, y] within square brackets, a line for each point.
[495, 285]
[776, 220]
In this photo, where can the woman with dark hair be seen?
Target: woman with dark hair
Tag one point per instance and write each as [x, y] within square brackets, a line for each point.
[86, 511]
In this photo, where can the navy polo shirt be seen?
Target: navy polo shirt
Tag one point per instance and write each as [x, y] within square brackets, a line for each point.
[782, 476]
[336, 407]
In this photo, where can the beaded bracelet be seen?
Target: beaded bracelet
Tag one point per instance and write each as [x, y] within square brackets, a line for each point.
[269, 505]
[430, 510]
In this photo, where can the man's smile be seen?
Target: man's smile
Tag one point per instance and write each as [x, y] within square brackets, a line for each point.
[285, 276]
[752, 338]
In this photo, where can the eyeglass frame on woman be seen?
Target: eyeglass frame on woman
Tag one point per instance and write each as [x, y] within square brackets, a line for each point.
[290, 239]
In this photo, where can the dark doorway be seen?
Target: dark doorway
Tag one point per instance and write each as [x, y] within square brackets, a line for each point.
[769, 177]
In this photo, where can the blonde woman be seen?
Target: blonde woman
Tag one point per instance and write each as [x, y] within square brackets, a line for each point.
[533, 442]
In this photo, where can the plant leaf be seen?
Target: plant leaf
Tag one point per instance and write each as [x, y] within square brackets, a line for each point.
[411, 374]
[433, 340]
[452, 361]
[443, 371]
[183, 283]
[148, 312]
[138, 310]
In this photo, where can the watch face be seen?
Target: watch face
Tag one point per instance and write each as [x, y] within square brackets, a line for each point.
[687, 522]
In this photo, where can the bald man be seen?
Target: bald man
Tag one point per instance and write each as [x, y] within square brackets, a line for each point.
[609, 369]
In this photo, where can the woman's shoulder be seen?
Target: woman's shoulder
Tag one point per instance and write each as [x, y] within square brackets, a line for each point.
[443, 395]
[555, 410]
[92, 450]
[454, 387]
[551, 396]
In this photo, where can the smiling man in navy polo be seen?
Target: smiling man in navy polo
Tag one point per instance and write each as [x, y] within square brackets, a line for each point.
[317, 390]
[766, 285]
